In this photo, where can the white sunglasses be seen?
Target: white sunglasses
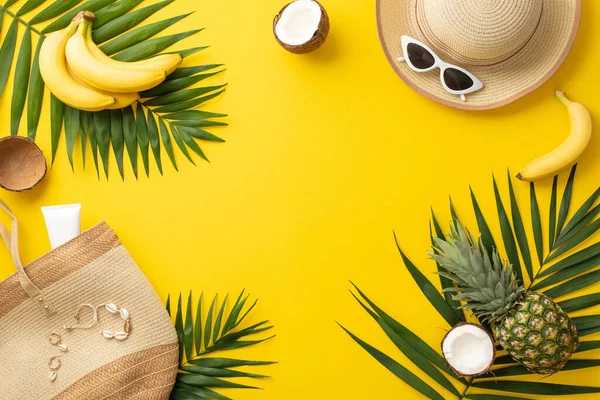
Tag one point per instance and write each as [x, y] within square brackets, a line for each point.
[421, 58]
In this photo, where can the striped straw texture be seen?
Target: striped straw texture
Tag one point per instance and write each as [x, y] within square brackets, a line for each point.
[512, 46]
[93, 268]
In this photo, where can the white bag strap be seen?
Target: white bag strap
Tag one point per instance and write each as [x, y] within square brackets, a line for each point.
[12, 242]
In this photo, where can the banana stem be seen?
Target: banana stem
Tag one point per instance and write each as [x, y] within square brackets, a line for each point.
[562, 97]
[72, 28]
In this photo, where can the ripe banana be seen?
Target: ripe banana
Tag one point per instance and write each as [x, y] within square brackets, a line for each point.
[165, 62]
[103, 76]
[567, 153]
[122, 100]
[53, 68]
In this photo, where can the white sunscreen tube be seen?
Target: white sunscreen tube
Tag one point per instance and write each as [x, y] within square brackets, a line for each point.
[62, 222]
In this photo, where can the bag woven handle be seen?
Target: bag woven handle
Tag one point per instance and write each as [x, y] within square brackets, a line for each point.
[12, 243]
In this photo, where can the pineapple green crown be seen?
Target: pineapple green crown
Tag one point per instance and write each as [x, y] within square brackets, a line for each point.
[487, 286]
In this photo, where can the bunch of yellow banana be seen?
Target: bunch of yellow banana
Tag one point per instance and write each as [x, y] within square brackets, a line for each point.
[569, 151]
[79, 74]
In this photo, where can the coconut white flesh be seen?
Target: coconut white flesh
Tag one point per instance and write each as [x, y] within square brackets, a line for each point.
[298, 22]
[468, 349]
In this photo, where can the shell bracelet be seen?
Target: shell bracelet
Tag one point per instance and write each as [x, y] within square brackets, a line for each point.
[55, 338]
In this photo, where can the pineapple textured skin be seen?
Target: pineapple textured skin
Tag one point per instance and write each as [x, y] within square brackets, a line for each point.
[534, 330]
[538, 334]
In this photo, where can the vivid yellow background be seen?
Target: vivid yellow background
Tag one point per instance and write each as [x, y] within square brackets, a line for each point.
[326, 154]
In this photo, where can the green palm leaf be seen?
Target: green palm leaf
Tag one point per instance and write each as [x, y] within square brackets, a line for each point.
[507, 235]
[123, 23]
[138, 35]
[486, 234]
[412, 339]
[588, 324]
[575, 240]
[7, 52]
[519, 229]
[65, 19]
[175, 84]
[552, 217]
[580, 214]
[117, 138]
[30, 5]
[580, 303]
[573, 272]
[113, 11]
[581, 224]
[21, 83]
[493, 397]
[413, 354]
[199, 374]
[35, 97]
[117, 26]
[434, 297]
[517, 370]
[102, 128]
[72, 120]
[536, 224]
[151, 47]
[57, 111]
[551, 389]
[154, 140]
[397, 369]
[143, 140]
[55, 9]
[565, 203]
[165, 138]
[574, 285]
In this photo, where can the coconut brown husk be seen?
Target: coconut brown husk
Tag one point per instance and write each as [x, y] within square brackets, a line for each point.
[458, 373]
[315, 42]
[22, 164]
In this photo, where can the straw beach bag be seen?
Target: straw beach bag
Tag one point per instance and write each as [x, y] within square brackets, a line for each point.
[123, 346]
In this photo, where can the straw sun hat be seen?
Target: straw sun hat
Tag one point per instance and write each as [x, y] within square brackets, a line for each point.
[511, 46]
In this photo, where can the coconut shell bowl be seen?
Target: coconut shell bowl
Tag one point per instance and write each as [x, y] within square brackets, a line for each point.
[22, 164]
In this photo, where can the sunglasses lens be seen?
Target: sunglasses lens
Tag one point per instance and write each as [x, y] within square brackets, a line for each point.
[419, 57]
[457, 80]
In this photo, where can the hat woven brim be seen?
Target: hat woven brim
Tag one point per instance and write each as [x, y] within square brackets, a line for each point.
[504, 82]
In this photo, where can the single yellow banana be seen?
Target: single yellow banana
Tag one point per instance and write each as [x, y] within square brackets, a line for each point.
[53, 68]
[122, 100]
[567, 153]
[103, 76]
[165, 62]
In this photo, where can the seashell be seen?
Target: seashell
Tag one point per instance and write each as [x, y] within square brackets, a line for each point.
[121, 335]
[107, 334]
[53, 376]
[127, 327]
[124, 314]
[112, 308]
[63, 347]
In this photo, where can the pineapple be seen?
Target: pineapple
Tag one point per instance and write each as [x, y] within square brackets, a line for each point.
[533, 329]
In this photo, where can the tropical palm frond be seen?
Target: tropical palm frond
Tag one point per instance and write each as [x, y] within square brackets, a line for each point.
[559, 267]
[220, 330]
[165, 114]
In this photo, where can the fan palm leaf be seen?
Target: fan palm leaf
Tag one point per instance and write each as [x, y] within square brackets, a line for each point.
[120, 32]
[560, 267]
[200, 375]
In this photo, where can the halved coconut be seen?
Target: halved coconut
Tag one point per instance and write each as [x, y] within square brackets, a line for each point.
[22, 164]
[301, 26]
[469, 350]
